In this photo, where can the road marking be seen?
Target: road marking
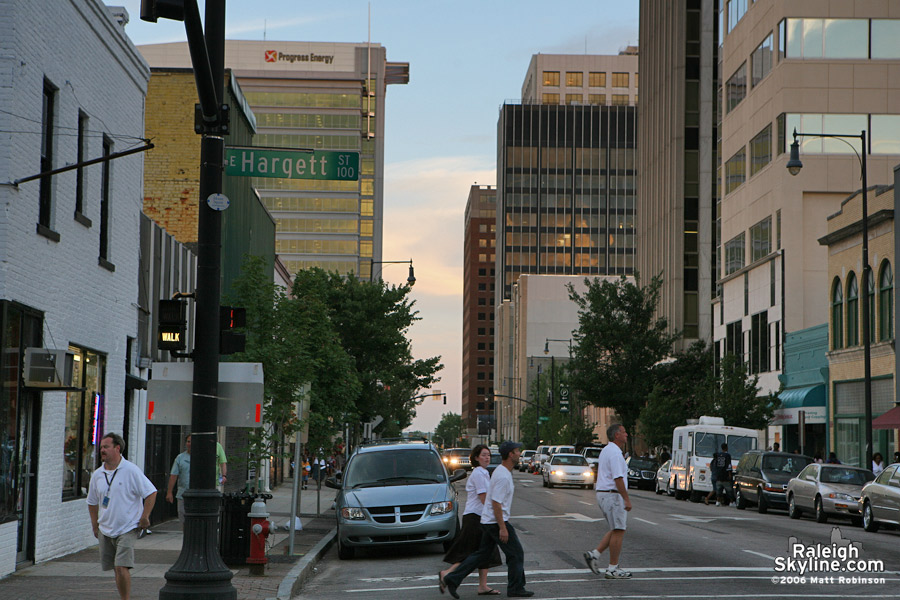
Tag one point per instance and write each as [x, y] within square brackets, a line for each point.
[548, 492]
[760, 554]
[693, 519]
[644, 520]
[568, 516]
[573, 571]
[588, 503]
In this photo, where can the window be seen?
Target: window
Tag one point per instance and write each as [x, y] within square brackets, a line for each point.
[620, 80]
[551, 78]
[761, 239]
[619, 100]
[84, 425]
[759, 343]
[885, 33]
[827, 38]
[45, 192]
[80, 172]
[761, 61]
[885, 134]
[735, 171]
[574, 79]
[105, 194]
[597, 99]
[760, 150]
[736, 88]
[734, 254]
[852, 310]
[550, 99]
[574, 99]
[822, 123]
[596, 79]
[886, 301]
[736, 10]
[734, 339]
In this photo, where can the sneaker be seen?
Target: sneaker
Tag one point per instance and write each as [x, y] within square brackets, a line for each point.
[718, 504]
[618, 574]
[592, 562]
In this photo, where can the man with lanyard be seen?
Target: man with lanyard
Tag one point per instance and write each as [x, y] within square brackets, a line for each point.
[496, 531]
[614, 503]
[119, 501]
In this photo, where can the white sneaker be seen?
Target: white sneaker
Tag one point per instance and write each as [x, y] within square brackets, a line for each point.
[592, 562]
[718, 504]
[618, 574]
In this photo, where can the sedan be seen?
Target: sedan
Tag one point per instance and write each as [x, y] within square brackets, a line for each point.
[663, 484]
[827, 490]
[641, 472]
[880, 499]
[568, 469]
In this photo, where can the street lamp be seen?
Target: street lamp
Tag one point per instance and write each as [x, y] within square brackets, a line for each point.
[547, 345]
[793, 166]
[411, 280]
[553, 370]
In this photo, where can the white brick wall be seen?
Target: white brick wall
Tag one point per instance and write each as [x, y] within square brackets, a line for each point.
[84, 53]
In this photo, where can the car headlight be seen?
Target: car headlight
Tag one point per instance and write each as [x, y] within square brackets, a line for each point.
[841, 496]
[633, 473]
[353, 513]
[440, 508]
[557, 472]
[587, 474]
[454, 460]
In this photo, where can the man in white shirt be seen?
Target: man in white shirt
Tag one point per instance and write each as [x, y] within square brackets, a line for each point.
[614, 503]
[119, 501]
[497, 531]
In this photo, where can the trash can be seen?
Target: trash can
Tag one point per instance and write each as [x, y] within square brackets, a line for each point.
[234, 528]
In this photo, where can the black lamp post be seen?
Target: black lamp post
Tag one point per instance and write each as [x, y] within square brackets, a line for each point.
[794, 165]
[411, 280]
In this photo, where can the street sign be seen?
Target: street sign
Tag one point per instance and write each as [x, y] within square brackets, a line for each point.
[292, 164]
[542, 419]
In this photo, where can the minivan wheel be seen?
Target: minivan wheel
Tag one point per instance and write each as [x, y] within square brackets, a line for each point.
[821, 517]
[345, 552]
[762, 507]
[793, 511]
[739, 502]
[869, 523]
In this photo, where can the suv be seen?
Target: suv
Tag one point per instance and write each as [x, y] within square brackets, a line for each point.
[457, 458]
[526, 458]
[395, 492]
[592, 455]
[762, 477]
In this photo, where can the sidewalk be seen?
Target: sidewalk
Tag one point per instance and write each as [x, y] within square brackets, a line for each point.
[78, 575]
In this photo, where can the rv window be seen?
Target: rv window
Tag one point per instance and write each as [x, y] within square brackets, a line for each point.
[738, 444]
[706, 444]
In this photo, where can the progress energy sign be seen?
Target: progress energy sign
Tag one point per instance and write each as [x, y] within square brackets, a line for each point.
[292, 164]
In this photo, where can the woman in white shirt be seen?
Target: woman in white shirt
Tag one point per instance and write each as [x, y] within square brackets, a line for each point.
[469, 537]
[877, 463]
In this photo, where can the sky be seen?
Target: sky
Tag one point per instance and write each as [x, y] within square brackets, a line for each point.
[466, 58]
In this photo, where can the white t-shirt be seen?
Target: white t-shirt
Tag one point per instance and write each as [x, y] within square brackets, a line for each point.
[126, 498]
[501, 490]
[479, 482]
[610, 466]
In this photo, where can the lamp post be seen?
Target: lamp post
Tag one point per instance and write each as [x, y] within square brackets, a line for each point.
[793, 166]
[553, 368]
[411, 280]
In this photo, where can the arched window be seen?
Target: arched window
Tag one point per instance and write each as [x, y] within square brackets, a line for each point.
[852, 310]
[870, 280]
[837, 316]
[886, 301]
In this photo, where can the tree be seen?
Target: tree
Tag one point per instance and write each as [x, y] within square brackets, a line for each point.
[449, 430]
[559, 427]
[619, 340]
[737, 398]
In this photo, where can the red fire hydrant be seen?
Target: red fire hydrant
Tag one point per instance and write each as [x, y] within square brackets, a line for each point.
[259, 531]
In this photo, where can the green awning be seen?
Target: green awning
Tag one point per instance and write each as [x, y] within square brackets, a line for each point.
[804, 397]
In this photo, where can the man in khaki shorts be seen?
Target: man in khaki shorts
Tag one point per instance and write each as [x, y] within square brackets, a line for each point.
[119, 501]
[614, 503]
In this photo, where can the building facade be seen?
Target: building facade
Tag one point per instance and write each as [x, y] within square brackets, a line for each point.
[319, 96]
[581, 79]
[68, 250]
[478, 310]
[677, 156]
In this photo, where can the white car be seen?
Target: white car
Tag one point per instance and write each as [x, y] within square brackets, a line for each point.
[568, 469]
[663, 479]
[592, 454]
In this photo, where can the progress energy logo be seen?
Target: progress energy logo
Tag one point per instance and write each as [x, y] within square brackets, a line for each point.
[839, 561]
[271, 55]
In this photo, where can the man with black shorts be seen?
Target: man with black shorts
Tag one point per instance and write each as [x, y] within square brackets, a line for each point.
[614, 503]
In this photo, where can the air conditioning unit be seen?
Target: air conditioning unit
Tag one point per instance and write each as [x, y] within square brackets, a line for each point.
[48, 368]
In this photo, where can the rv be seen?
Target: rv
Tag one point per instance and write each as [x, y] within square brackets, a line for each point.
[692, 450]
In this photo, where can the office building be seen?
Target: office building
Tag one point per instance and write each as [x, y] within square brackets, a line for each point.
[580, 79]
[319, 96]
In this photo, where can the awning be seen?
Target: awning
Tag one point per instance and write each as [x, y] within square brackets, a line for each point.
[889, 420]
[810, 400]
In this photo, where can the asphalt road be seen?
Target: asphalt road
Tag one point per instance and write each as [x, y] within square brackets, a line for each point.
[675, 549]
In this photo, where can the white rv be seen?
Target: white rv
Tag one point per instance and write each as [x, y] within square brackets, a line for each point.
[692, 450]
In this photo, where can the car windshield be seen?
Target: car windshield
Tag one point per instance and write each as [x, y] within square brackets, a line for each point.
[592, 453]
[643, 463]
[784, 464]
[706, 444]
[844, 475]
[394, 467]
[528, 454]
[577, 461]
[496, 459]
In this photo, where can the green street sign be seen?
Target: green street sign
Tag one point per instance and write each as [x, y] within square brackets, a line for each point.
[542, 419]
[292, 164]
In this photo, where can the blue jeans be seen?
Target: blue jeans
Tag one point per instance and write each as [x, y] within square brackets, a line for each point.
[490, 539]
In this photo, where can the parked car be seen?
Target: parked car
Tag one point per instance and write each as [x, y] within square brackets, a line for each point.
[395, 492]
[592, 454]
[567, 469]
[525, 460]
[641, 472]
[457, 458]
[496, 459]
[663, 479]
[762, 477]
[880, 500]
[828, 490]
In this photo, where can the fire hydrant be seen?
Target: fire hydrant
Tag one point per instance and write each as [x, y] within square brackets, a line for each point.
[259, 531]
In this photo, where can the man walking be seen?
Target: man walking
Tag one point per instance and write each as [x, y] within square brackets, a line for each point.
[720, 467]
[614, 503]
[119, 501]
[180, 473]
[497, 531]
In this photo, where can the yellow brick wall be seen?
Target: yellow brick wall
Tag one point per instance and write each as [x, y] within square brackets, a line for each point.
[171, 168]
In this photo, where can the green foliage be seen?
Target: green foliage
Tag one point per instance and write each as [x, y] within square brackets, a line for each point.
[450, 430]
[561, 428]
[737, 397]
[619, 340]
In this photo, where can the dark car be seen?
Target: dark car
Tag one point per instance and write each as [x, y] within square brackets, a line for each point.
[762, 477]
[641, 472]
[496, 459]
[457, 458]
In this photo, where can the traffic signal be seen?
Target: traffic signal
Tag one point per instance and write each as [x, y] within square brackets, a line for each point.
[151, 10]
[231, 317]
[172, 324]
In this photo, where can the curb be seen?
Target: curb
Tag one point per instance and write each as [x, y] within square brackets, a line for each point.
[303, 570]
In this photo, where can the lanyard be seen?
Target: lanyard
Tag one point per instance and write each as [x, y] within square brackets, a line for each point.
[109, 481]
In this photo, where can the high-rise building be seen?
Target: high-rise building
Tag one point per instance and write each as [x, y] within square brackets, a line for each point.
[604, 80]
[478, 309]
[676, 132]
[319, 96]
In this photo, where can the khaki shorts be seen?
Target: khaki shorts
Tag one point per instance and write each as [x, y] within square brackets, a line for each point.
[117, 551]
[613, 508]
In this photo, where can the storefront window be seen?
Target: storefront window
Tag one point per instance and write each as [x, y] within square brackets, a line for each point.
[84, 422]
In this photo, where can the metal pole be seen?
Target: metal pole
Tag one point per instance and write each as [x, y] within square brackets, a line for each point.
[295, 489]
[867, 342]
